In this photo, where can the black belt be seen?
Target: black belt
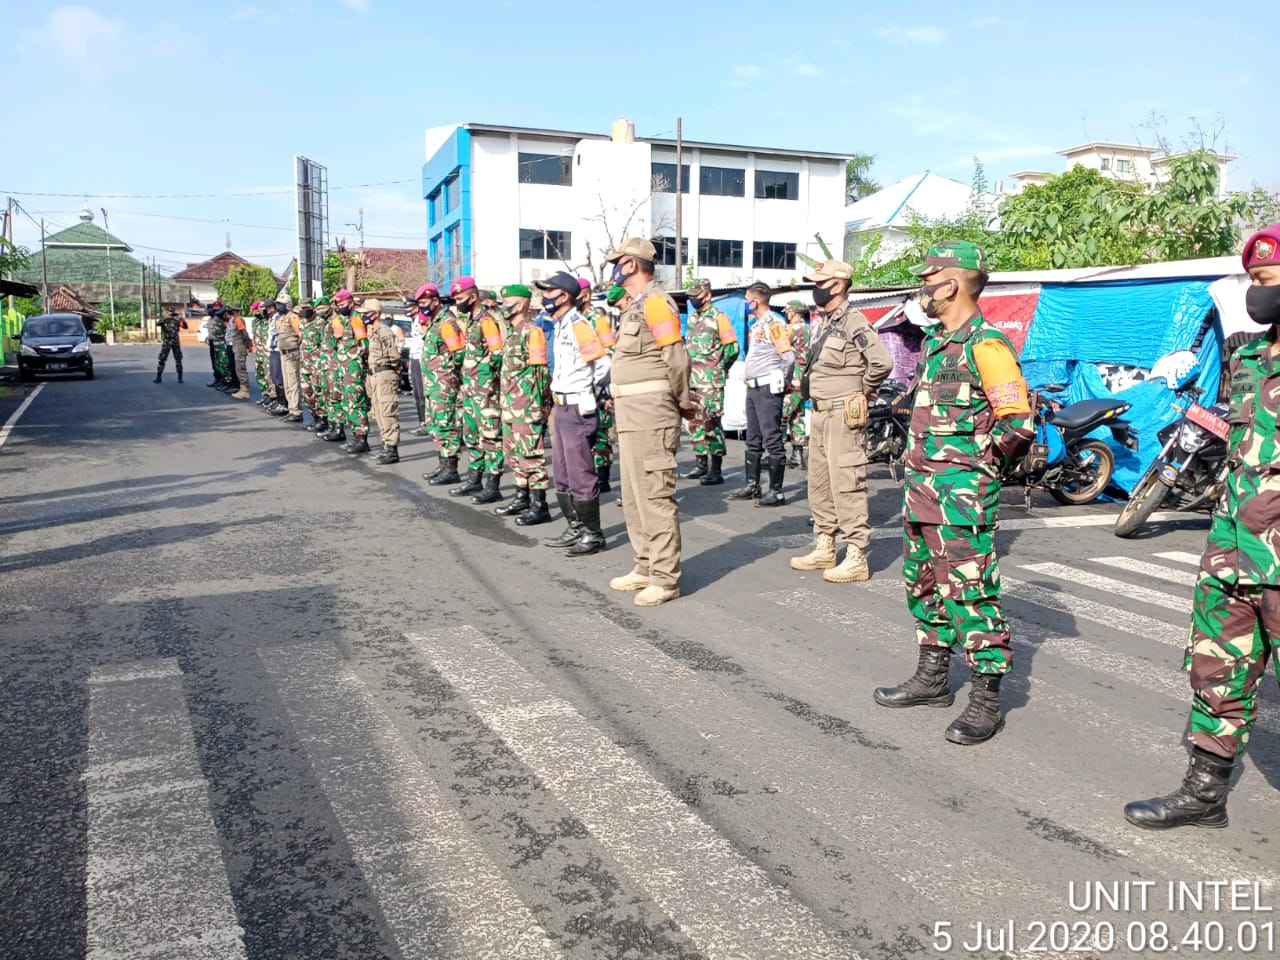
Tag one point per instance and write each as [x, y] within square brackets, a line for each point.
[385, 368]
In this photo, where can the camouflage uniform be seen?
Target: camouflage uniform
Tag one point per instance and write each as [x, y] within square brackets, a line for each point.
[312, 386]
[955, 452]
[170, 325]
[442, 349]
[480, 395]
[602, 320]
[793, 428]
[712, 345]
[217, 328]
[526, 400]
[353, 368]
[330, 371]
[262, 359]
[1235, 623]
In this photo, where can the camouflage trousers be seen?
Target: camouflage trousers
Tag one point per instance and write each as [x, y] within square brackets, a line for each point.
[442, 401]
[705, 431]
[482, 429]
[167, 347]
[524, 446]
[953, 591]
[331, 374]
[262, 373]
[310, 393]
[221, 363]
[602, 450]
[793, 429]
[355, 400]
[1234, 629]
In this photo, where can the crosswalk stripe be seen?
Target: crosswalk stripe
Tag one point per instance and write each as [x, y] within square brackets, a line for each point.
[1156, 571]
[1125, 621]
[151, 836]
[723, 902]
[1179, 556]
[436, 887]
[1083, 578]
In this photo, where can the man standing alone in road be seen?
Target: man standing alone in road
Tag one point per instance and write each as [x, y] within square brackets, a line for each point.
[170, 325]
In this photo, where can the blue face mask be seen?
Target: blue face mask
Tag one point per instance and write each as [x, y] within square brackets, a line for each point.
[751, 309]
[619, 275]
[551, 304]
[345, 311]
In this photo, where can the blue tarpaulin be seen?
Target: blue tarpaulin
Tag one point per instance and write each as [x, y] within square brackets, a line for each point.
[1130, 322]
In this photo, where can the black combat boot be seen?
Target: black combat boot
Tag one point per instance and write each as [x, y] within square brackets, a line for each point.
[982, 717]
[574, 530]
[602, 474]
[473, 484]
[927, 687]
[777, 470]
[752, 490]
[714, 477]
[516, 505]
[292, 418]
[279, 410]
[537, 512]
[337, 434]
[159, 370]
[699, 469]
[590, 538]
[490, 493]
[390, 454]
[359, 444]
[448, 472]
[804, 459]
[179, 370]
[1201, 801]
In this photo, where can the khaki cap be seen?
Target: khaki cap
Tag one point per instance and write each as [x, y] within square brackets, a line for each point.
[636, 247]
[830, 270]
[371, 306]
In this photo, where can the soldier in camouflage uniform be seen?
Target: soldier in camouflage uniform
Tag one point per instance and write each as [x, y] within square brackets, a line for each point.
[312, 386]
[258, 332]
[603, 321]
[215, 324]
[352, 362]
[1235, 622]
[331, 380]
[526, 402]
[481, 401]
[170, 325]
[793, 427]
[712, 346]
[971, 416]
[442, 348]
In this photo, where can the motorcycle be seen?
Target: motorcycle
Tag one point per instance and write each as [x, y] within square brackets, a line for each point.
[1192, 462]
[888, 424]
[1063, 461]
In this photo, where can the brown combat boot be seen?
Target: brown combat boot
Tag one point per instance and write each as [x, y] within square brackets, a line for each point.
[821, 557]
[851, 569]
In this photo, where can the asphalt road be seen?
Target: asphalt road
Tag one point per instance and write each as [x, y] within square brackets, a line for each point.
[259, 701]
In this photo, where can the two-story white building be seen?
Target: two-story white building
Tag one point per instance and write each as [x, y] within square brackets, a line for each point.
[1120, 161]
[515, 204]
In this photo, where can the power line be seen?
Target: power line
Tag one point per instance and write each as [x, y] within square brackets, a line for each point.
[199, 196]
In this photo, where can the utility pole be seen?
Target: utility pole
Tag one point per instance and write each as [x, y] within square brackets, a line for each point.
[8, 235]
[142, 286]
[44, 272]
[111, 287]
[679, 203]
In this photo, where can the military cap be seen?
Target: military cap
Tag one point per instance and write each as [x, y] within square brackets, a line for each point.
[427, 290]
[344, 294]
[702, 283]
[371, 306]
[516, 290]
[636, 247]
[830, 270]
[322, 301]
[560, 281]
[1263, 248]
[615, 294]
[462, 283]
[285, 299]
[954, 253]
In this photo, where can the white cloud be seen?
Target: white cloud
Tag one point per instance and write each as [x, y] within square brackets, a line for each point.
[990, 155]
[986, 22]
[914, 36]
[79, 35]
[808, 70]
[359, 6]
[743, 75]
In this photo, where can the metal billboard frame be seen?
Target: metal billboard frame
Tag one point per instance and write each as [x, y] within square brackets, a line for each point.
[312, 182]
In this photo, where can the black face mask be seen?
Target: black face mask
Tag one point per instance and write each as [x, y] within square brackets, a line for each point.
[822, 296]
[1263, 304]
[698, 303]
[307, 313]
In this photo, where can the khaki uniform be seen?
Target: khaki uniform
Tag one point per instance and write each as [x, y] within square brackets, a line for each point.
[241, 347]
[289, 343]
[380, 384]
[650, 386]
[850, 362]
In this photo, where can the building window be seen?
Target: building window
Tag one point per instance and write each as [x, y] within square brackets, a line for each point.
[666, 247]
[766, 255]
[433, 208]
[1106, 164]
[453, 240]
[546, 244]
[720, 253]
[771, 185]
[452, 193]
[722, 182]
[434, 266]
[546, 168]
[664, 177]
[1123, 165]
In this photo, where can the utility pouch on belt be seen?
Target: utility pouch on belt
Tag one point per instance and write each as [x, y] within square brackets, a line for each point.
[855, 411]
[1038, 458]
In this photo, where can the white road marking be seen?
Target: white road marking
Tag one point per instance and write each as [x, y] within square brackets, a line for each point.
[439, 891]
[155, 882]
[17, 414]
[1083, 578]
[1156, 571]
[724, 903]
[1180, 556]
[1100, 613]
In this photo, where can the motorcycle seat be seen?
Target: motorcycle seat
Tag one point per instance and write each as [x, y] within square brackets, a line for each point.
[1087, 413]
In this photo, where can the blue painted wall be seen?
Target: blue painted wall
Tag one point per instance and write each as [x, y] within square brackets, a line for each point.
[452, 159]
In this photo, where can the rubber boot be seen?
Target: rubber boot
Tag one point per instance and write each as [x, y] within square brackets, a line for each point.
[537, 512]
[927, 687]
[574, 530]
[517, 504]
[448, 472]
[591, 539]
[982, 717]
[602, 474]
[159, 370]
[752, 490]
[714, 477]
[699, 469]
[359, 445]
[473, 484]
[390, 454]
[1201, 801]
[490, 493]
[775, 497]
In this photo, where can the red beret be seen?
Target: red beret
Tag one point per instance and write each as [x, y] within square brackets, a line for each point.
[427, 290]
[1263, 248]
[462, 283]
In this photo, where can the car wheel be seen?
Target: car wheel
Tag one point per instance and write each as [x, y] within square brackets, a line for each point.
[25, 375]
[88, 373]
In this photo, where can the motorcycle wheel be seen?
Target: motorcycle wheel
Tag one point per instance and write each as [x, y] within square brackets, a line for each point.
[1088, 474]
[1143, 501]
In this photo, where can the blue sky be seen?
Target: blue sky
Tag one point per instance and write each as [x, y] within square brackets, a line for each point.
[140, 97]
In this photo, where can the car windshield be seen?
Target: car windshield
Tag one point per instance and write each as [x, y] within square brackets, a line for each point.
[54, 327]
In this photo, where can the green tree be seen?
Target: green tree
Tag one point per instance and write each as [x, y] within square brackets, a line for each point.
[333, 273]
[246, 283]
[857, 177]
[293, 285]
[12, 256]
[1185, 217]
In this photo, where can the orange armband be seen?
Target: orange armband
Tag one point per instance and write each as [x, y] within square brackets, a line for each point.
[537, 347]
[663, 322]
[724, 326]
